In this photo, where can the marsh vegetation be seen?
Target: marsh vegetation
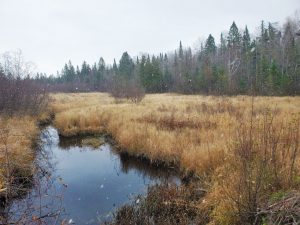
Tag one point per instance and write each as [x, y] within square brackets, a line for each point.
[224, 120]
[241, 150]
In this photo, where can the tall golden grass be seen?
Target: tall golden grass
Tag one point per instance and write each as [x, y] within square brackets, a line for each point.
[244, 149]
[167, 127]
[17, 136]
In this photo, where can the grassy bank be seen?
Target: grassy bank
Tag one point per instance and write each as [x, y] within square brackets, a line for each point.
[243, 150]
[17, 137]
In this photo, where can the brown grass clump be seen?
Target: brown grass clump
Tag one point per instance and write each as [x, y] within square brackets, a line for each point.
[164, 205]
[243, 150]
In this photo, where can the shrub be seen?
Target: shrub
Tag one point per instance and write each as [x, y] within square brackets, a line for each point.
[21, 96]
[261, 161]
[129, 89]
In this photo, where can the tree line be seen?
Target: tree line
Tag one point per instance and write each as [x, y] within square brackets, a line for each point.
[267, 64]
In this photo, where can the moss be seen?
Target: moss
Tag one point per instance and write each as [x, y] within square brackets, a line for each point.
[279, 195]
[297, 180]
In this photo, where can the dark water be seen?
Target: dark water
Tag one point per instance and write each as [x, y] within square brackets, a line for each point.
[83, 185]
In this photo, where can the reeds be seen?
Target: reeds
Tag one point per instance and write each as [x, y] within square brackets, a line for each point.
[242, 149]
[17, 153]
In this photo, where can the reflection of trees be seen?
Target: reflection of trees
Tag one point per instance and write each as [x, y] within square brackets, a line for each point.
[140, 165]
[146, 168]
[65, 143]
[38, 199]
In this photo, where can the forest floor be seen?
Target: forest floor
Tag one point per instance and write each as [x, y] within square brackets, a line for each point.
[242, 151]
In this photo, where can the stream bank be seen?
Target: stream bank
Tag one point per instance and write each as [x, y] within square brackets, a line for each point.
[83, 184]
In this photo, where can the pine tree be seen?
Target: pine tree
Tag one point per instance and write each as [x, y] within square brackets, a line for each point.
[115, 67]
[246, 41]
[234, 37]
[175, 60]
[222, 44]
[101, 64]
[126, 66]
[210, 46]
[72, 74]
[142, 73]
[180, 51]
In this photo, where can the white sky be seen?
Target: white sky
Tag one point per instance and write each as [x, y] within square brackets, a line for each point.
[50, 32]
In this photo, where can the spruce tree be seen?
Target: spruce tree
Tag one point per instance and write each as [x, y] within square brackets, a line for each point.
[126, 66]
[246, 41]
[234, 37]
[180, 51]
[210, 46]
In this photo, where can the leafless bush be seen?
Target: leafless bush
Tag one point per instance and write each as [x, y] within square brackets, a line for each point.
[263, 161]
[21, 96]
[14, 64]
[130, 90]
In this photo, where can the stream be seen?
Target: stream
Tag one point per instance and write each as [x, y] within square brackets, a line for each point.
[78, 184]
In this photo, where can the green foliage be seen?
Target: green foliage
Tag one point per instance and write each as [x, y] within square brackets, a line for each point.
[180, 50]
[151, 75]
[126, 66]
[267, 64]
[234, 36]
[69, 72]
[210, 46]
[246, 41]
[277, 196]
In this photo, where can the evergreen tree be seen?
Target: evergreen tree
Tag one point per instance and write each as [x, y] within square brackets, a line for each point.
[210, 46]
[234, 37]
[269, 63]
[115, 67]
[246, 41]
[180, 51]
[126, 66]
[222, 44]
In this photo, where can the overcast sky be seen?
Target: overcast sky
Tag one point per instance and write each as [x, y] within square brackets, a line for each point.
[50, 32]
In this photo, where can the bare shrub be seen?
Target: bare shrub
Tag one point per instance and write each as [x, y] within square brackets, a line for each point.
[262, 160]
[285, 210]
[21, 96]
[131, 90]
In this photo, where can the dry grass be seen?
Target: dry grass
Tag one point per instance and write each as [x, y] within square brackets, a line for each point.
[168, 127]
[17, 136]
[165, 204]
[242, 152]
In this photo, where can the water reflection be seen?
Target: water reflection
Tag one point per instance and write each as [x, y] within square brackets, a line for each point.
[146, 169]
[85, 184]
